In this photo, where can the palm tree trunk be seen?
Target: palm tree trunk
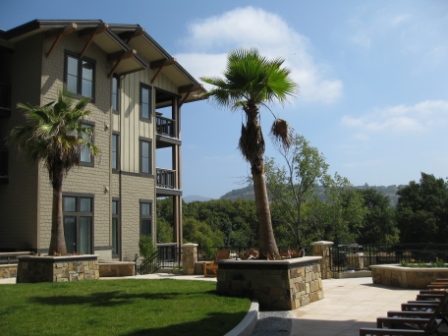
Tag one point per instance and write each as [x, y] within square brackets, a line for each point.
[267, 242]
[57, 240]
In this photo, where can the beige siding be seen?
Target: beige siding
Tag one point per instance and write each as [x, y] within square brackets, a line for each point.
[18, 199]
[91, 180]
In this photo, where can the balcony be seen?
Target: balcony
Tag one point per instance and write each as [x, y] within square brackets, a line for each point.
[165, 126]
[3, 166]
[166, 178]
[5, 100]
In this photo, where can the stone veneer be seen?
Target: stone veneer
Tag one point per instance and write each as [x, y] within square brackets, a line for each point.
[406, 277]
[57, 269]
[116, 269]
[8, 271]
[277, 285]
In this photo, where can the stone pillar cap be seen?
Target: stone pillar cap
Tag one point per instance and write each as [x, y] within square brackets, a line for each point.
[322, 242]
[190, 244]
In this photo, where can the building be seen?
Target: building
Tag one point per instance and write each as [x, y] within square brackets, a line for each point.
[137, 90]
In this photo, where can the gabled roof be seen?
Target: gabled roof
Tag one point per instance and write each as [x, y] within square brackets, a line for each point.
[129, 48]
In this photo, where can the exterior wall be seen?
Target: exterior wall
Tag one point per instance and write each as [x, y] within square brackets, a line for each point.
[88, 180]
[133, 189]
[18, 209]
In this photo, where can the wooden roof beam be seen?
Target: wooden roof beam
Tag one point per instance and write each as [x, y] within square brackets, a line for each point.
[100, 29]
[59, 33]
[159, 65]
[118, 57]
[139, 31]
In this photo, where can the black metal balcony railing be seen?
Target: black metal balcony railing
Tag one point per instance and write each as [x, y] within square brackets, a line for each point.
[165, 126]
[166, 178]
[3, 163]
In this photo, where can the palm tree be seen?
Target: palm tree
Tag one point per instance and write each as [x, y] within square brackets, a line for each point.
[55, 136]
[251, 81]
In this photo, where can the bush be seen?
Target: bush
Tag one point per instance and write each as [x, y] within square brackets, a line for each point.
[149, 254]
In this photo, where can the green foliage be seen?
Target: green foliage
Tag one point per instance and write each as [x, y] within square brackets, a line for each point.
[379, 226]
[164, 231]
[199, 232]
[149, 253]
[292, 185]
[422, 212]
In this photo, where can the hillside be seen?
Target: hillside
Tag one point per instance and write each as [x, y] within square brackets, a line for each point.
[248, 192]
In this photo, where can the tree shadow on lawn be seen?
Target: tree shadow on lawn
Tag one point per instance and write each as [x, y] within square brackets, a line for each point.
[215, 324]
[107, 299]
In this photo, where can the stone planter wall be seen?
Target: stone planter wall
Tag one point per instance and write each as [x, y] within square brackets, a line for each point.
[57, 269]
[406, 277]
[116, 269]
[8, 271]
[277, 285]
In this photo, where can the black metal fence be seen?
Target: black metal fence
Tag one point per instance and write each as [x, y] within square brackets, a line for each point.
[169, 256]
[209, 253]
[353, 257]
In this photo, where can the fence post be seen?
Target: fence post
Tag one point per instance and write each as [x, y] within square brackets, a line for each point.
[322, 249]
[189, 258]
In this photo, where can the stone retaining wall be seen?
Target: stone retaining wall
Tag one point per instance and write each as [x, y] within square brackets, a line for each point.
[57, 269]
[117, 269]
[277, 285]
[8, 271]
[406, 277]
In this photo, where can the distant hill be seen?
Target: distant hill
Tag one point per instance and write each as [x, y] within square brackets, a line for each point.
[248, 192]
[195, 198]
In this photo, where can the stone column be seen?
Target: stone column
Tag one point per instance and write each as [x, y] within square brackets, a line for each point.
[189, 258]
[322, 249]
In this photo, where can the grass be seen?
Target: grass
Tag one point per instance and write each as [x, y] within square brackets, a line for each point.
[118, 307]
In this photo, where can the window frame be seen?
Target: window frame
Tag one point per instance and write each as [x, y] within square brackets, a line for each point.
[77, 214]
[91, 163]
[149, 88]
[116, 216]
[149, 142]
[146, 217]
[118, 98]
[118, 152]
[79, 75]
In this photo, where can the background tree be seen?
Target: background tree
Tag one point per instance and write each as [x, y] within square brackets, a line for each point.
[54, 136]
[290, 186]
[422, 211]
[251, 81]
[379, 226]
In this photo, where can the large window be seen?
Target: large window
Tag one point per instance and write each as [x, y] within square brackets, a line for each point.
[115, 151]
[79, 76]
[115, 94]
[116, 229]
[145, 103]
[85, 155]
[145, 218]
[145, 157]
[78, 223]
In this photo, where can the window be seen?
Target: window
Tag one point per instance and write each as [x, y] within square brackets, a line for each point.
[145, 157]
[115, 94]
[78, 223]
[79, 76]
[145, 218]
[115, 151]
[145, 103]
[85, 154]
[116, 230]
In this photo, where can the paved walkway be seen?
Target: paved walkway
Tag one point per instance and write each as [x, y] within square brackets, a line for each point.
[348, 305]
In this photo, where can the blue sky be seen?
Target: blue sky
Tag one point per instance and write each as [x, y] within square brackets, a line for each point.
[373, 78]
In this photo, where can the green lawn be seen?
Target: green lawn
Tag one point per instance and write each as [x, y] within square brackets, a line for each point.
[118, 307]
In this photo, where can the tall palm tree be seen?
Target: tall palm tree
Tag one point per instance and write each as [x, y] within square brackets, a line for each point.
[251, 81]
[55, 136]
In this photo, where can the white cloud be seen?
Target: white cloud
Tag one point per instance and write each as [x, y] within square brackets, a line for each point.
[209, 40]
[420, 117]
